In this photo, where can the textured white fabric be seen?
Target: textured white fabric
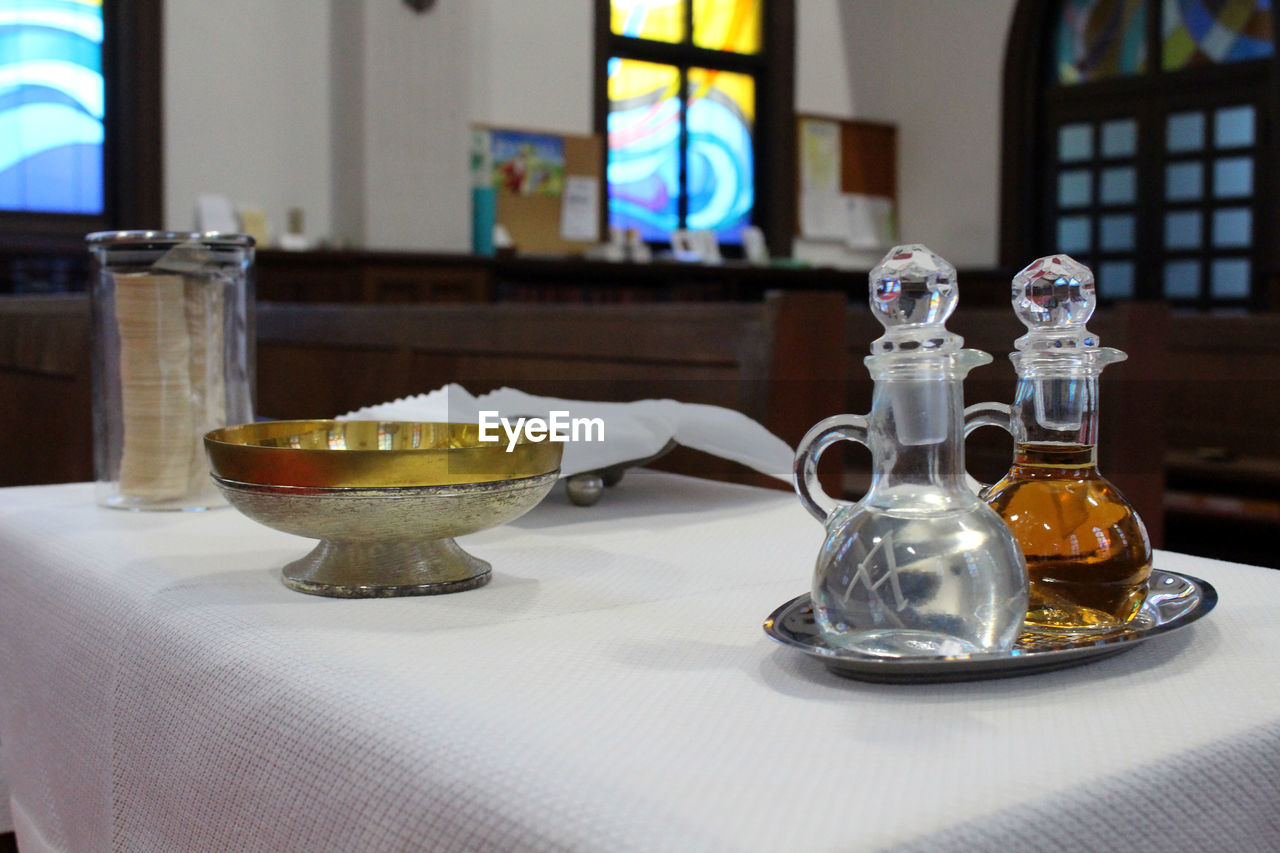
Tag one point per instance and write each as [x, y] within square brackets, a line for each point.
[611, 689]
[632, 431]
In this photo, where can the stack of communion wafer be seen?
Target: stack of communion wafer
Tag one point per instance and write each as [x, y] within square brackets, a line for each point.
[172, 380]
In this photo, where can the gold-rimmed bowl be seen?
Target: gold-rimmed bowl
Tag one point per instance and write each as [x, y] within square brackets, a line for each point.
[385, 498]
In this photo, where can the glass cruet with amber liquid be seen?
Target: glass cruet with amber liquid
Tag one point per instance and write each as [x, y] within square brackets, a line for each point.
[1087, 551]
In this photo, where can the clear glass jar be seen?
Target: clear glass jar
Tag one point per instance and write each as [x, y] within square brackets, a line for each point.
[173, 357]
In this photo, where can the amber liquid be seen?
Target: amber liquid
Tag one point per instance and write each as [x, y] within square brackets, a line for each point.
[1088, 556]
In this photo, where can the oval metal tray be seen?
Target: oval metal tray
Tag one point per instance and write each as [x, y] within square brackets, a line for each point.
[1173, 601]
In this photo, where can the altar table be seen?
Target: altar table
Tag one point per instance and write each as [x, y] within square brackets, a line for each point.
[611, 689]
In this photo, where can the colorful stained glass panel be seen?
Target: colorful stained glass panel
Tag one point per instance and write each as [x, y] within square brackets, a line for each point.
[721, 158]
[1232, 228]
[1182, 229]
[1183, 181]
[51, 106]
[1096, 39]
[1233, 177]
[1229, 278]
[1075, 188]
[731, 25]
[655, 20]
[1184, 132]
[1075, 142]
[644, 147]
[1118, 185]
[1116, 279]
[1118, 232]
[1182, 279]
[1233, 126]
[1119, 138]
[1074, 233]
[1206, 32]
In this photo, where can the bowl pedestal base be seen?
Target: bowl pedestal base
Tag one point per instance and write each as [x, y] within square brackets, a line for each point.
[386, 569]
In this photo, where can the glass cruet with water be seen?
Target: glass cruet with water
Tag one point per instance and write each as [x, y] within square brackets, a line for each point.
[920, 566]
[1087, 551]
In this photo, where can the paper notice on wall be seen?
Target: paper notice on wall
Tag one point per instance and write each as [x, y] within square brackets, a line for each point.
[580, 209]
[823, 216]
[819, 156]
[870, 222]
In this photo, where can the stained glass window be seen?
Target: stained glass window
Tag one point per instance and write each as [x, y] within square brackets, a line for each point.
[721, 182]
[644, 147]
[681, 121]
[1096, 39]
[653, 20]
[1161, 142]
[1094, 199]
[730, 25]
[1202, 32]
[733, 26]
[51, 106]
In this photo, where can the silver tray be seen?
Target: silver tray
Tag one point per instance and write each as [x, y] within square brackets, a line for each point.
[1173, 601]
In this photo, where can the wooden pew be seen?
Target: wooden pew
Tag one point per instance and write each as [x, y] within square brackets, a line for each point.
[45, 390]
[779, 361]
[1223, 459]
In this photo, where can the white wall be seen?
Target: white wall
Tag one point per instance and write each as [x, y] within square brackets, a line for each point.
[358, 110]
[246, 107]
[401, 114]
[825, 87]
[532, 64]
[934, 68]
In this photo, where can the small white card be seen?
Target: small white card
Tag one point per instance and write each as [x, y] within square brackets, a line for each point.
[580, 209]
[707, 245]
[870, 223]
[215, 213]
[823, 216]
[754, 246]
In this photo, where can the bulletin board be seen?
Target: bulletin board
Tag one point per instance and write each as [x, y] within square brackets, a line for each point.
[546, 186]
[847, 181]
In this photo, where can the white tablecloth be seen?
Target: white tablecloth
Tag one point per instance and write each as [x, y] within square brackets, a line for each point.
[611, 689]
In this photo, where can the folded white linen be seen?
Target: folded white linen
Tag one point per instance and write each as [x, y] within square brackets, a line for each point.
[631, 431]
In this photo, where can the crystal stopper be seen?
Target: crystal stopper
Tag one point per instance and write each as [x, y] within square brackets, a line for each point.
[913, 292]
[1054, 298]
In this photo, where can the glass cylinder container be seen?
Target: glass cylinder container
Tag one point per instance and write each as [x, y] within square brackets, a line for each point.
[173, 357]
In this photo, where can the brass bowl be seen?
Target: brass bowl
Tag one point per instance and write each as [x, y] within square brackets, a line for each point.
[385, 498]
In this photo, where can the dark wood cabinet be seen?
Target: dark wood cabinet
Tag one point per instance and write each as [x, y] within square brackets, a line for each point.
[414, 277]
[350, 276]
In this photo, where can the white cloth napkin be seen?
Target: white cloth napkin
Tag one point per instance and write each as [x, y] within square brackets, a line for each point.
[632, 431]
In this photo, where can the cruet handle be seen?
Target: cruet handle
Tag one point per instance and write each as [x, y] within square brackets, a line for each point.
[986, 414]
[805, 471]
